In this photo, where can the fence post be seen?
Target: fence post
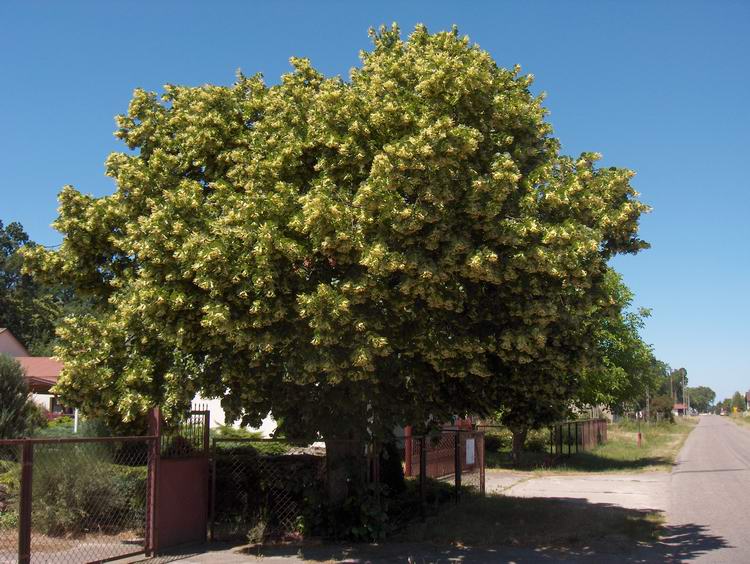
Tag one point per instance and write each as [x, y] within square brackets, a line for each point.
[576, 437]
[422, 472]
[24, 516]
[154, 427]
[408, 451]
[206, 431]
[481, 463]
[457, 464]
[212, 514]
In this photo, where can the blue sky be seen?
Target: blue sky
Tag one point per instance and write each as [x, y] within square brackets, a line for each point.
[658, 87]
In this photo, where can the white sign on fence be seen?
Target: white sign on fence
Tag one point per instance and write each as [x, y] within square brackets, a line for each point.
[469, 451]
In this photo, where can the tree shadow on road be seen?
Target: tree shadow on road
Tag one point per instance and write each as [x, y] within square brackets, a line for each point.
[503, 529]
[590, 462]
[581, 461]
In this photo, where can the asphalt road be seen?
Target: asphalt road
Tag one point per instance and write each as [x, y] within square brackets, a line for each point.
[710, 494]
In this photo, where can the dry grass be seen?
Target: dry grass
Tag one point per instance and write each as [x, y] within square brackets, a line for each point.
[741, 419]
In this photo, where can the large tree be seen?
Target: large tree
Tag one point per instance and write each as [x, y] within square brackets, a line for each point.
[350, 255]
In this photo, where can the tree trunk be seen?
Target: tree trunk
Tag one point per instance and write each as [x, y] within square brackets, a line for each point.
[519, 439]
[345, 468]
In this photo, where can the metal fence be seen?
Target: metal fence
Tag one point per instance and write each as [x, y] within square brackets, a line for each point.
[73, 500]
[454, 456]
[569, 437]
[262, 488]
[259, 488]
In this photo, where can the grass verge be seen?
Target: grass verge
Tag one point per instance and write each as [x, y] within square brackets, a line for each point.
[661, 442]
[741, 419]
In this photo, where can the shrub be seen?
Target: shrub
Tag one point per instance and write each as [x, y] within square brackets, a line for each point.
[77, 488]
[10, 475]
[537, 440]
[499, 439]
[17, 410]
[229, 432]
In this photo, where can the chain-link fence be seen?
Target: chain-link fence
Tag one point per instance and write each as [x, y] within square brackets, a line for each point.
[73, 500]
[10, 480]
[260, 487]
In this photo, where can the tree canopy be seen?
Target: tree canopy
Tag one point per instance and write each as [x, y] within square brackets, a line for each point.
[701, 398]
[349, 255]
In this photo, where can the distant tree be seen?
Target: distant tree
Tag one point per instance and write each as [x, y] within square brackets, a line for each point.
[662, 405]
[17, 411]
[726, 405]
[623, 369]
[678, 380]
[701, 398]
[28, 308]
[738, 402]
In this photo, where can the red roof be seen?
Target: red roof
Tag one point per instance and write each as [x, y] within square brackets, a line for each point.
[41, 371]
[679, 406]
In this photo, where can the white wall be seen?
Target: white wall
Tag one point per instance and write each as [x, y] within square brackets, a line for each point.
[267, 427]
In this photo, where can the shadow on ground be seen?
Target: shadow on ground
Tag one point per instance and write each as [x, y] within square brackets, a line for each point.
[501, 529]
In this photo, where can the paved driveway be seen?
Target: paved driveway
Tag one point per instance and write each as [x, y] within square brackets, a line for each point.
[646, 490]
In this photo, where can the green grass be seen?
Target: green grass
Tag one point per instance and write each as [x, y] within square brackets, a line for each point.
[498, 520]
[661, 442]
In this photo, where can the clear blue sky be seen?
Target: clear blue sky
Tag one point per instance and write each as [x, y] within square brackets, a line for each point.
[659, 87]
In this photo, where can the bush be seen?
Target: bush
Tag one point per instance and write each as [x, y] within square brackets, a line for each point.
[229, 432]
[498, 439]
[537, 440]
[10, 476]
[18, 413]
[77, 488]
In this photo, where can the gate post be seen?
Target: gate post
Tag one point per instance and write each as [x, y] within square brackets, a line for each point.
[154, 453]
[422, 469]
[24, 516]
[480, 452]
[408, 451]
[457, 464]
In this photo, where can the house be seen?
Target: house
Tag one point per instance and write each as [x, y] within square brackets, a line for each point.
[679, 409]
[42, 373]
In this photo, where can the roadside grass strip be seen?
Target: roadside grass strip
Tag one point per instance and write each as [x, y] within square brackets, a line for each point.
[660, 444]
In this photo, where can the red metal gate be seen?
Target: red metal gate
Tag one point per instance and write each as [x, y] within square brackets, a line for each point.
[100, 499]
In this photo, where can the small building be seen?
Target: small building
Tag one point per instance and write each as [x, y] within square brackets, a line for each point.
[679, 409]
